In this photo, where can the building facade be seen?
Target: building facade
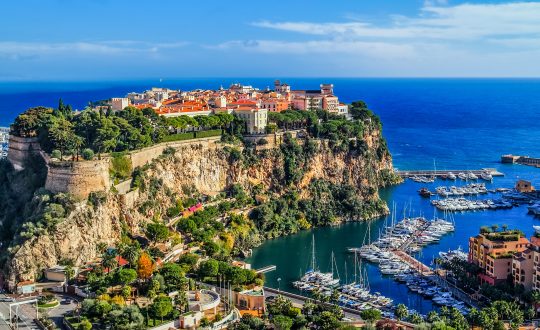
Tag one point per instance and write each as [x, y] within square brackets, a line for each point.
[494, 252]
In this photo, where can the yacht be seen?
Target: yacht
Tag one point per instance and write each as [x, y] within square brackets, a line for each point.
[451, 176]
[462, 176]
[472, 176]
[486, 176]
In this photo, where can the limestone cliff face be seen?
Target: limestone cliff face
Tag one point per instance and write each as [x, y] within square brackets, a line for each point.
[209, 169]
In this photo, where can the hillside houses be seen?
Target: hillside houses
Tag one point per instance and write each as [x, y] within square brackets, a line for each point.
[246, 102]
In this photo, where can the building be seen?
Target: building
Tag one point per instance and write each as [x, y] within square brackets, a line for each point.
[275, 105]
[256, 118]
[523, 269]
[281, 88]
[493, 253]
[250, 301]
[524, 186]
[56, 273]
[330, 103]
[119, 103]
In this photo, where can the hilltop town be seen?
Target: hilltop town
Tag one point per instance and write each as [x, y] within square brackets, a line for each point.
[247, 102]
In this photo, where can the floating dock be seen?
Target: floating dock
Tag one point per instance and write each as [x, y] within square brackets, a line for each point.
[439, 173]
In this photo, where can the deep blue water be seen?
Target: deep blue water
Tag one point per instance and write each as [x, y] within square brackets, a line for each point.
[452, 123]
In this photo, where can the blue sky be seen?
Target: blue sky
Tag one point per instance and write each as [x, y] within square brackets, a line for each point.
[132, 39]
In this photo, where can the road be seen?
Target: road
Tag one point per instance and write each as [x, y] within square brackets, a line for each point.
[27, 314]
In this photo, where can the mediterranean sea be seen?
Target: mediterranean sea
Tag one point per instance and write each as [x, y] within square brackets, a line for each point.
[447, 123]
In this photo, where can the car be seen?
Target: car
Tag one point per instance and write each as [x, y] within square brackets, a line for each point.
[271, 298]
[7, 299]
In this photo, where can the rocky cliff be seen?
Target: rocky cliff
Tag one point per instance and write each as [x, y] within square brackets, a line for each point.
[209, 170]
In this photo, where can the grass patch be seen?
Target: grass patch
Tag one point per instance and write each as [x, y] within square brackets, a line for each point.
[50, 304]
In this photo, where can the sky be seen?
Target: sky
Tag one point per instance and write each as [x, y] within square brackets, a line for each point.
[133, 39]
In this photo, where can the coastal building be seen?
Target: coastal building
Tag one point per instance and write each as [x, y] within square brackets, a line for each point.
[494, 252]
[524, 186]
[119, 103]
[250, 302]
[523, 269]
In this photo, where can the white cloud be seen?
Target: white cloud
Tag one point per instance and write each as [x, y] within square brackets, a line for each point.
[361, 48]
[30, 50]
[460, 22]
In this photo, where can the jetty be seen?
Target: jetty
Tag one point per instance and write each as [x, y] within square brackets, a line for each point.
[522, 160]
[440, 173]
[266, 269]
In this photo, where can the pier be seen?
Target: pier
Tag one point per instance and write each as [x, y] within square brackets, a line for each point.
[436, 278]
[523, 160]
[266, 269]
[414, 263]
[440, 173]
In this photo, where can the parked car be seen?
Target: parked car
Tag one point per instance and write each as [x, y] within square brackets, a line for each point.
[7, 299]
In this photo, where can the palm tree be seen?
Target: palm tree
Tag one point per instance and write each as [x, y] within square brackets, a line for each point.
[109, 260]
[131, 253]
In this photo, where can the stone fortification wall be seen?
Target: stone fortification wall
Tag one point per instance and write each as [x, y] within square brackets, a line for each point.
[78, 178]
[146, 155]
[20, 149]
[83, 177]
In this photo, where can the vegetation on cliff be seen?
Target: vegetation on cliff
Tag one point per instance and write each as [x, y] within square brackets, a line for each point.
[65, 133]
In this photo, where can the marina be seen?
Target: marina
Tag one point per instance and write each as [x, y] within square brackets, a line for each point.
[483, 173]
[391, 252]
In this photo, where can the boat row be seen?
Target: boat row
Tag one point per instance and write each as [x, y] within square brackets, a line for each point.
[463, 204]
[354, 295]
[466, 176]
[409, 235]
[427, 288]
[470, 189]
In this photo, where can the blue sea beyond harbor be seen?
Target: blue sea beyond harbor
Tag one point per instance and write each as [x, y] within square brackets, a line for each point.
[447, 123]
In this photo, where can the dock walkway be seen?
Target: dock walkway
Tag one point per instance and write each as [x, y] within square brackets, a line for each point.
[436, 278]
[414, 263]
[438, 173]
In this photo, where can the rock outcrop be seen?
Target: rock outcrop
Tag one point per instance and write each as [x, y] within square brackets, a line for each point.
[206, 168]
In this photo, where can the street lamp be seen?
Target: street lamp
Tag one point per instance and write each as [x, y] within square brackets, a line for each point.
[279, 285]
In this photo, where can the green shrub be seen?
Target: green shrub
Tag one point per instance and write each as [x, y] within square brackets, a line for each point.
[56, 154]
[179, 137]
[209, 133]
[120, 167]
[87, 154]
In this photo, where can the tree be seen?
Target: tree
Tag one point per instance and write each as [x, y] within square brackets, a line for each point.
[157, 232]
[70, 272]
[145, 266]
[371, 315]
[415, 318]
[282, 322]
[126, 276]
[173, 276]
[209, 268]
[401, 311]
[161, 306]
[84, 325]
[131, 253]
[126, 291]
[109, 260]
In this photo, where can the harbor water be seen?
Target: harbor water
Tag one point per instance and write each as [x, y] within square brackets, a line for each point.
[443, 123]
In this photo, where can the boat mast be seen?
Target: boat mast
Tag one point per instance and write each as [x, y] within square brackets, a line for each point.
[313, 264]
